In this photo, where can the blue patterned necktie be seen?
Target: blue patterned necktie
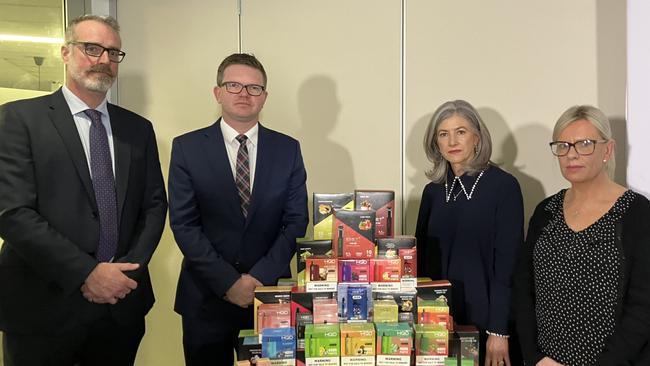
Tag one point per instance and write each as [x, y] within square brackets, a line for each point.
[101, 167]
[243, 175]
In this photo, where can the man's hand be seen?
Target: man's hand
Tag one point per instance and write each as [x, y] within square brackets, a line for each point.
[107, 283]
[497, 351]
[242, 292]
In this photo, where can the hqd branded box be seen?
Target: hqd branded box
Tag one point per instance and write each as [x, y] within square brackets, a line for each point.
[434, 312]
[394, 344]
[307, 249]
[389, 247]
[383, 203]
[322, 344]
[406, 301]
[269, 295]
[279, 343]
[354, 270]
[353, 234]
[355, 302]
[357, 344]
[324, 206]
[321, 274]
[431, 340]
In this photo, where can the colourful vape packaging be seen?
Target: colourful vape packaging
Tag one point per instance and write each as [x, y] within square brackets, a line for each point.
[431, 340]
[322, 341]
[306, 249]
[383, 203]
[269, 295]
[353, 234]
[406, 301]
[279, 343]
[324, 206]
[389, 247]
[325, 311]
[385, 311]
[355, 302]
[357, 339]
[354, 270]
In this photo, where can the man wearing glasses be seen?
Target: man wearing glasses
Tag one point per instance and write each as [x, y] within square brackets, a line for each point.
[82, 209]
[238, 202]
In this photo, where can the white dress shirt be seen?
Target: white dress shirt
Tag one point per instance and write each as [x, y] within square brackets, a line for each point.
[232, 146]
[83, 122]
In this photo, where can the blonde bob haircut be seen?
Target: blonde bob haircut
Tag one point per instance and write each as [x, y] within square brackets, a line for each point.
[483, 151]
[594, 116]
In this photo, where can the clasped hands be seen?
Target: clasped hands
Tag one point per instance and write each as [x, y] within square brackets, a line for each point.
[242, 292]
[107, 283]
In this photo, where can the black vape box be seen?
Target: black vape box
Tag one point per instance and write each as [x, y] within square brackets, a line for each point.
[383, 203]
[324, 206]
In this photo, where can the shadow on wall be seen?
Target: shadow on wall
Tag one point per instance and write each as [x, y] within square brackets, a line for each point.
[328, 163]
[417, 179]
[506, 153]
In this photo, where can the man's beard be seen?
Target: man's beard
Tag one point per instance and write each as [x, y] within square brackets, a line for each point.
[101, 81]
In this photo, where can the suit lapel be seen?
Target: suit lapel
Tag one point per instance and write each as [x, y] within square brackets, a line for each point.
[218, 158]
[122, 148]
[64, 123]
[262, 172]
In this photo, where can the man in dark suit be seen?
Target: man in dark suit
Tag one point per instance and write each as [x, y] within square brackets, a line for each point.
[237, 201]
[82, 209]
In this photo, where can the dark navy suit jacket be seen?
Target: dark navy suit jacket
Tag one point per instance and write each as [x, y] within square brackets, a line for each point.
[217, 241]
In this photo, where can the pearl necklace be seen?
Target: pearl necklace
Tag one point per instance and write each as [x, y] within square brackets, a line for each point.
[448, 192]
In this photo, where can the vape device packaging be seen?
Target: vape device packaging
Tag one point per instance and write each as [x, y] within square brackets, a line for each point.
[464, 346]
[243, 363]
[406, 301]
[309, 248]
[273, 316]
[324, 206]
[430, 340]
[322, 341]
[385, 270]
[353, 270]
[249, 347]
[389, 247]
[279, 343]
[325, 311]
[353, 234]
[321, 274]
[437, 291]
[409, 262]
[383, 203]
[385, 311]
[434, 312]
[355, 302]
[357, 344]
[394, 339]
[302, 302]
[269, 295]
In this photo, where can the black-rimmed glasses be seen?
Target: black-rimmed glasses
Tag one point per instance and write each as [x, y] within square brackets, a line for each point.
[582, 147]
[234, 87]
[96, 50]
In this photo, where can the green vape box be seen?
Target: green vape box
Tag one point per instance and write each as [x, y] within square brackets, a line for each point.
[322, 340]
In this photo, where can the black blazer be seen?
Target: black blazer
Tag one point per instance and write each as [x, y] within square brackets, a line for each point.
[629, 343]
[217, 241]
[48, 214]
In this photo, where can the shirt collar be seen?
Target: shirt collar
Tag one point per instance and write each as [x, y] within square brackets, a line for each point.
[230, 134]
[78, 106]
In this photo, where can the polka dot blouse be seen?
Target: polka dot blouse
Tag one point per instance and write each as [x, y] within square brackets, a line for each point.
[577, 278]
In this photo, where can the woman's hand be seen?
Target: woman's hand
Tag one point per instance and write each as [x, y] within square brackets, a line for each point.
[497, 351]
[547, 361]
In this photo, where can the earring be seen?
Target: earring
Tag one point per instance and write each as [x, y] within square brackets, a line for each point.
[475, 149]
[604, 160]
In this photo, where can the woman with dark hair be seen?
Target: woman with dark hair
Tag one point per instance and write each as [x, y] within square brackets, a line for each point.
[470, 226]
[582, 286]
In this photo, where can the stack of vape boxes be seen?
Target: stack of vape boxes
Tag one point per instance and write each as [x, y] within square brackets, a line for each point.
[357, 301]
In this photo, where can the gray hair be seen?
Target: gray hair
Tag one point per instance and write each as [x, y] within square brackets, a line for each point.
[594, 116]
[106, 19]
[480, 161]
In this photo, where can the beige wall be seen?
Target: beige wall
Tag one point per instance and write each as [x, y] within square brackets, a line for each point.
[335, 83]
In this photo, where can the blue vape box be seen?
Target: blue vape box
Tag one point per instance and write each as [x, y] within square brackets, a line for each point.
[279, 343]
